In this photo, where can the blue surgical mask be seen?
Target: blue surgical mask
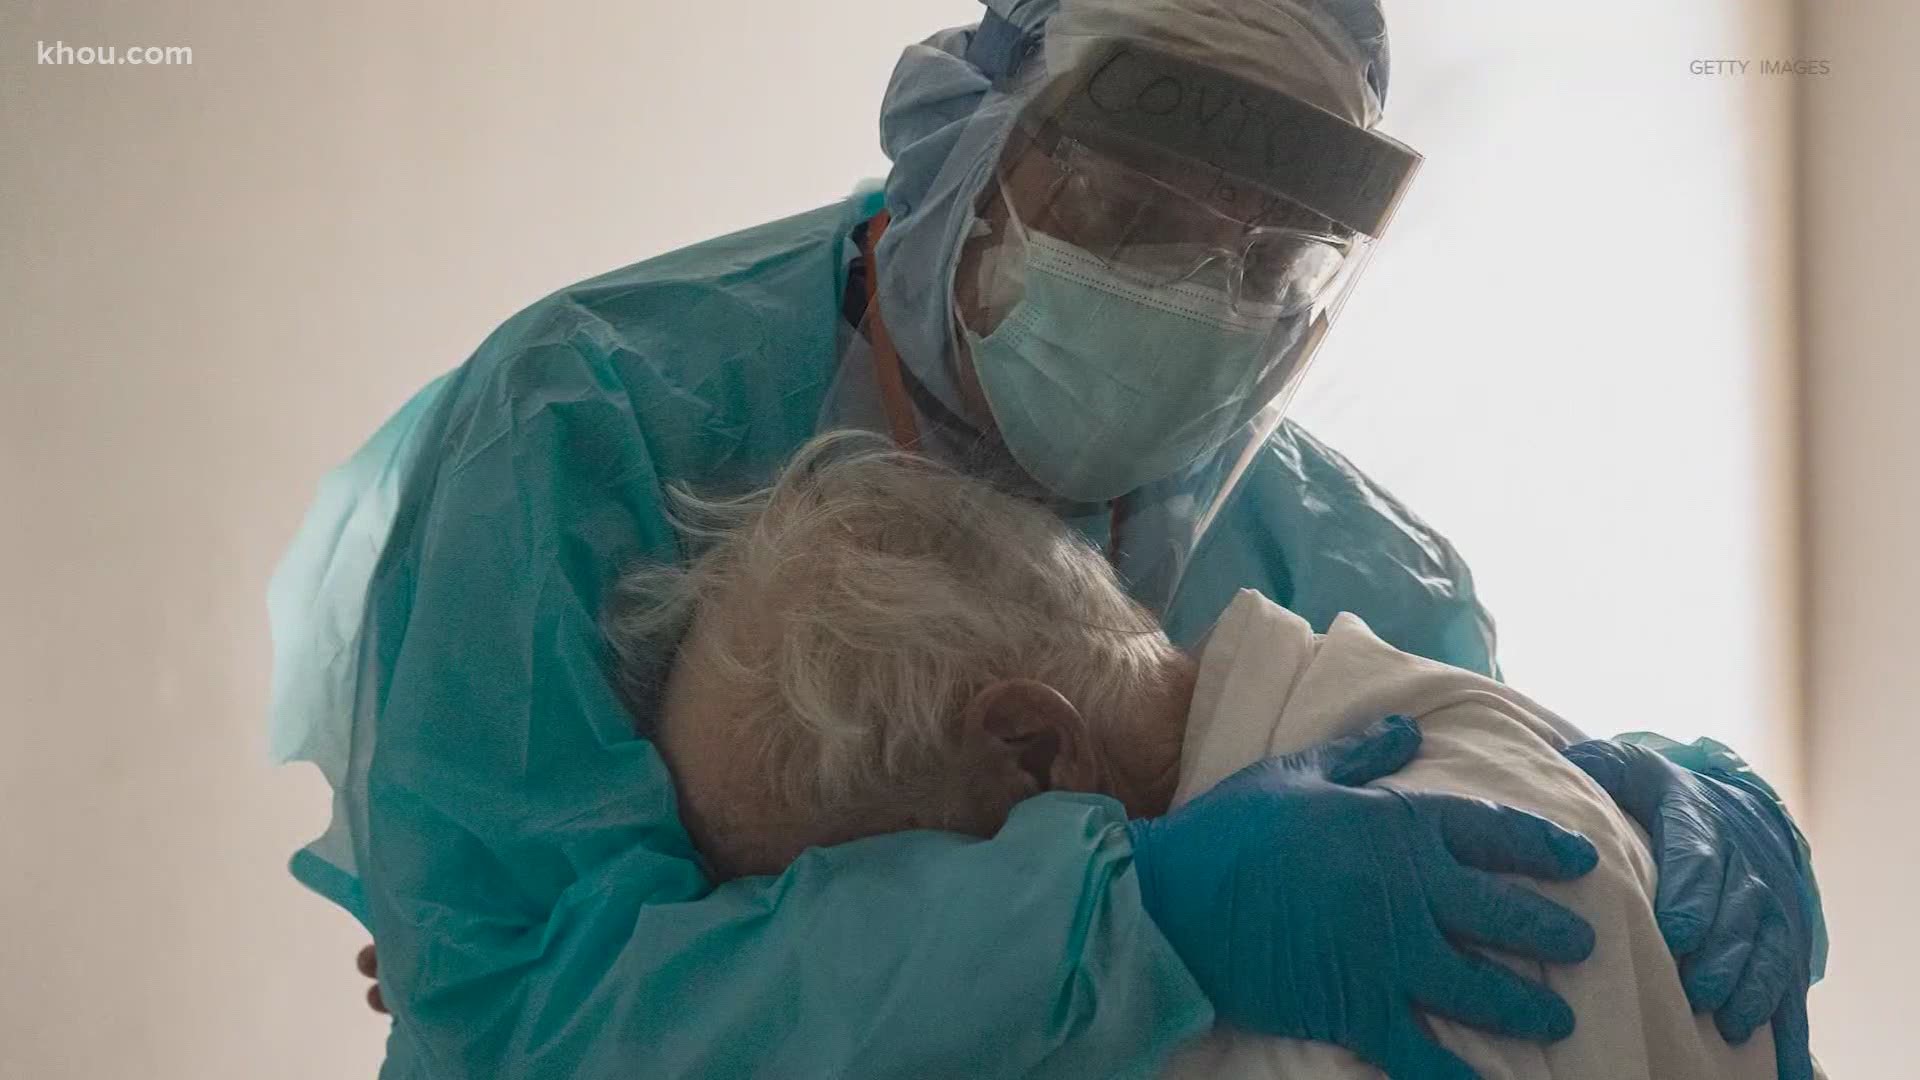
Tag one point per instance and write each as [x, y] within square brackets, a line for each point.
[1100, 385]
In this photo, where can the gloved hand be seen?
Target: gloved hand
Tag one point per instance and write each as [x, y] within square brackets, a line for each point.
[1310, 907]
[1729, 897]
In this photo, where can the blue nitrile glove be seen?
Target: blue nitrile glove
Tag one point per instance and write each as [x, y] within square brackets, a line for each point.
[1308, 906]
[1733, 897]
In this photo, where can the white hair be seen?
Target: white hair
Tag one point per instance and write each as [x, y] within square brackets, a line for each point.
[854, 609]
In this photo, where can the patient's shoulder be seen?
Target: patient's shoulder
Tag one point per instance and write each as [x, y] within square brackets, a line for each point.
[1481, 738]
[1486, 740]
[1354, 671]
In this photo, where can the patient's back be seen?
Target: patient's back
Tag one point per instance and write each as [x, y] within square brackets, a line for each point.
[1485, 740]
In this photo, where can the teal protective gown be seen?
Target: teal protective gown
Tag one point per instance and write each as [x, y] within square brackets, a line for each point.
[515, 847]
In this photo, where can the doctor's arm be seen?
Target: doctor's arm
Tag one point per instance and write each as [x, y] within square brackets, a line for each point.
[1042, 949]
[906, 955]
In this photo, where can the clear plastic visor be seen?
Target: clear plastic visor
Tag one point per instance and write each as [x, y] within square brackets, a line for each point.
[1273, 256]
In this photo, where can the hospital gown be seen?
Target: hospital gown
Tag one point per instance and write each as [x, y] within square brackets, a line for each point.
[1269, 685]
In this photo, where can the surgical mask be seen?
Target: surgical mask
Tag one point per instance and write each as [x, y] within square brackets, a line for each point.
[1100, 384]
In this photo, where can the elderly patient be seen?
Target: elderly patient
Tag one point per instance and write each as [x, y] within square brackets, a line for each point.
[879, 643]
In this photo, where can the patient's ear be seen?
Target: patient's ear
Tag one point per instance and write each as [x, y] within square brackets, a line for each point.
[1031, 736]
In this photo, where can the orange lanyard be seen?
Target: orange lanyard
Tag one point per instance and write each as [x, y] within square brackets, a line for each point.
[886, 359]
[901, 425]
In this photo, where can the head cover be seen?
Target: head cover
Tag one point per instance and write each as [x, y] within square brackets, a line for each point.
[1220, 149]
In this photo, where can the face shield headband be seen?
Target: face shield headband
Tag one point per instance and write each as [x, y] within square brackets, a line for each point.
[1137, 103]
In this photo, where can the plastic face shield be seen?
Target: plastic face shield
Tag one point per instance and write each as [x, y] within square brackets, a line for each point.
[1206, 191]
[1170, 171]
[1271, 256]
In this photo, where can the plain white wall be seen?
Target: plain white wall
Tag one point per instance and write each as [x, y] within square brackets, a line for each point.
[219, 278]
[1574, 352]
[1862, 268]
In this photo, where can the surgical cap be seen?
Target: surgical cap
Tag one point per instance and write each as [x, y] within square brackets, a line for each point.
[947, 115]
